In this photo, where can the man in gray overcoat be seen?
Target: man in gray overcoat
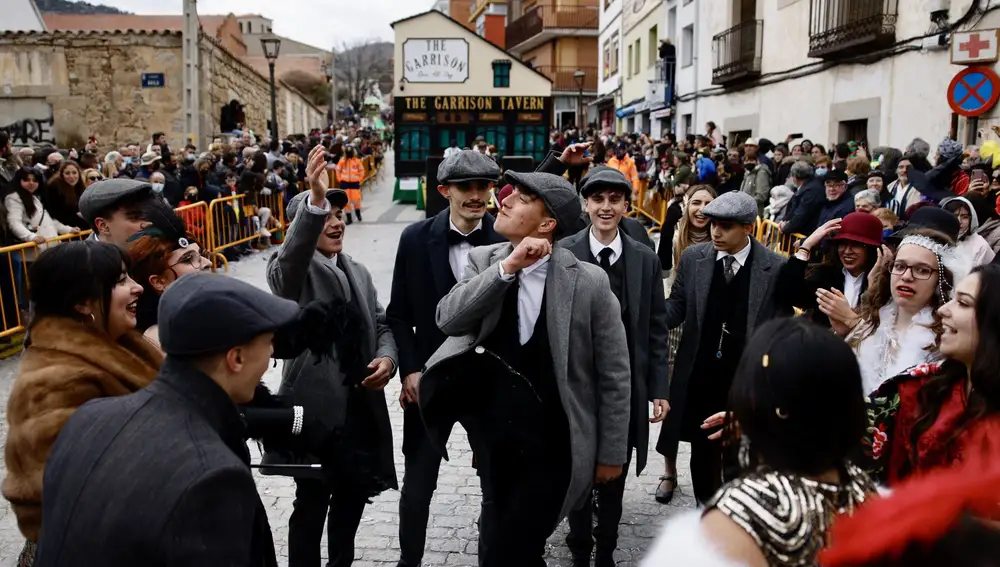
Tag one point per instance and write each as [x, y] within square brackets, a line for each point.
[536, 344]
[345, 387]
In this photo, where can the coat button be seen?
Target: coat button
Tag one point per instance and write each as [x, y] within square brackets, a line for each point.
[480, 350]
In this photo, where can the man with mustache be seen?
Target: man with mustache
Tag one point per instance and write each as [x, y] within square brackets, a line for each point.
[536, 363]
[635, 275]
[431, 258]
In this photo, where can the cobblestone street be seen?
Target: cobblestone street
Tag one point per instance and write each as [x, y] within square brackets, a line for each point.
[451, 534]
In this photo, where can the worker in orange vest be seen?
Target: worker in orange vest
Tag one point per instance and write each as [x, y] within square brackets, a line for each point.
[624, 163]
[350, 173]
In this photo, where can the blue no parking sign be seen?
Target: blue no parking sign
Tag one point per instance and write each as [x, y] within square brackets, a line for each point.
[973, 91]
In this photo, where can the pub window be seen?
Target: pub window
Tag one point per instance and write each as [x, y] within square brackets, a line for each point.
[414, 143]
[530, 141]
[494, 136]
[501, 74]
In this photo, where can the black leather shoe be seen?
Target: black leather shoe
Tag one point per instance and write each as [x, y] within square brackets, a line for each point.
[581, 560]
[665, 490]
[604, 558]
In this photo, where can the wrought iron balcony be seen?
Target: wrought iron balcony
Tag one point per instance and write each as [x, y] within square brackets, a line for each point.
[737, 52]
[543, 22]
[563, 79]
[840, 28]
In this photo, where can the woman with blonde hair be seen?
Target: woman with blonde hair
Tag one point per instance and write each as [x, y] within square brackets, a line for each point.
[693, 228]
[91, 176]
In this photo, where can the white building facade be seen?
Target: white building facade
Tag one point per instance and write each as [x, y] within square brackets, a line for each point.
[813, 69]
[642, 87]
[609, 64]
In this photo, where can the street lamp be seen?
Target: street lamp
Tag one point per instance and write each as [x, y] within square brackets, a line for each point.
[271, 46]
[578, 77]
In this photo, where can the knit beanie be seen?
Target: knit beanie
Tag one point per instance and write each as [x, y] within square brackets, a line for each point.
[949, 149]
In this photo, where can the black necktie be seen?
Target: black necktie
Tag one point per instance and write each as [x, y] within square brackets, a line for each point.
[727, 267]
[476, 237]
[605, 258]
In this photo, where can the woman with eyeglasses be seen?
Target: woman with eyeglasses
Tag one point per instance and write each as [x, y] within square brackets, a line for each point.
[934, 415]
[91, 176]
[898, 327]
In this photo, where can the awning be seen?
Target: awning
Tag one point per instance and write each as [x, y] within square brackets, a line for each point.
[630, 108]
[603, 101]
[662, 113]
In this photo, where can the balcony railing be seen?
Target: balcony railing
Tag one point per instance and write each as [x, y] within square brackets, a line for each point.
[737, 52]
[850, 27]
[543, 17]
[563, 79]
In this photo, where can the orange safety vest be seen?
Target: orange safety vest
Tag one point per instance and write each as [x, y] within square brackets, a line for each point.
[350, 170]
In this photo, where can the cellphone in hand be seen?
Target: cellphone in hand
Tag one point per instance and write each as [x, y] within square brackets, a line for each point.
[980, 175]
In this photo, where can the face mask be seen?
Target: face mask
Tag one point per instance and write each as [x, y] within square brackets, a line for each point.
[157, 188]
[128, 161]
[820, 171]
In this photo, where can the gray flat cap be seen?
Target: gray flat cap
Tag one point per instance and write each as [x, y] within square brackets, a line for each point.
[103, 194]
[604, 178]
[467, 165]
[734, 206]
[205, 313]
[337, 197]
[559, 196]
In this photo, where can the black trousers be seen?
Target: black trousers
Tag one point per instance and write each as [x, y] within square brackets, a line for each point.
[582, 531]
[315, 505]
[706, 467]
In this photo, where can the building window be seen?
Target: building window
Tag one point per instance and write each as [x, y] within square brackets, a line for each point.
[628, 64]
[606, 54]
[638, 57]
[687, 46]
[615, 52]
[530, 141]
[688, 122]
[414, 142]
[653, 41]
[501, 74]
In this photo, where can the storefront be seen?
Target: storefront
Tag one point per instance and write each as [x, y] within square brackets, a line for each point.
[452, 85]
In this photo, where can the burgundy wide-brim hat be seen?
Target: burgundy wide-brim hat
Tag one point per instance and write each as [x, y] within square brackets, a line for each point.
[860, 227]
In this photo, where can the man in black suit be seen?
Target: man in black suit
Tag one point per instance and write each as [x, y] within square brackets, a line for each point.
[557, 163]
[430, 260]
[635, 275]
[162, 476]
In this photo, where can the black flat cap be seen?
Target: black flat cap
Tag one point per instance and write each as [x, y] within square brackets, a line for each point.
[204, 313]
[559, 196]
[467, 165]
[604, 178]
[106, 193]
[835, 175]
[337, 197]
[934, 218]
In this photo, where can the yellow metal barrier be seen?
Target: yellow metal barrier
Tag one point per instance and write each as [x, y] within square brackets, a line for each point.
[653, 207]
[195, 216]
[769, 234]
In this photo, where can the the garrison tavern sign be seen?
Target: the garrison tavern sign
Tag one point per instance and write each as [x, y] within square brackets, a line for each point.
[433, 60]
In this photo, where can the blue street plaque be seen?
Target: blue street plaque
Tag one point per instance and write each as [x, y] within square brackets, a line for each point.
[153, 81]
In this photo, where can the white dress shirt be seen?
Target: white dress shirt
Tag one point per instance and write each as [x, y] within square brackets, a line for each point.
[529, 295]
[852, 287]
[741, 257]
[596, 247]
[458, 254]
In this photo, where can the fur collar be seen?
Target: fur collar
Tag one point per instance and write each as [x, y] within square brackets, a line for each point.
[132, 360]
[682, 542]
[874, 352]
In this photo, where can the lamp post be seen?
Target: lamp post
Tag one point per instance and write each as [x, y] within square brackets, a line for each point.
[578, 77]
[271, 46]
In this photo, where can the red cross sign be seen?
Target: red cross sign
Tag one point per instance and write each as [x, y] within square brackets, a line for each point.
[971, 47]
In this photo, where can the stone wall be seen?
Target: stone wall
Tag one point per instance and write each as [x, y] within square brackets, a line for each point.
[224, 78]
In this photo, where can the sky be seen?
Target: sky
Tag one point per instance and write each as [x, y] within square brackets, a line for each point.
[321, 23]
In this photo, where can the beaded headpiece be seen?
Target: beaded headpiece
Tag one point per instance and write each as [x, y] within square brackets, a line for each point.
[948, 257]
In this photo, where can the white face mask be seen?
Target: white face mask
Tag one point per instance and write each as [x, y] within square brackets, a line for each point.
[157, 188]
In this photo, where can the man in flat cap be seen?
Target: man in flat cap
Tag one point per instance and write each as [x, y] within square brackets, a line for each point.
[162, 476]
[524, 327]
[347, 385]
[723, 291]
[636, 281]
[114, 208]
[431, 259]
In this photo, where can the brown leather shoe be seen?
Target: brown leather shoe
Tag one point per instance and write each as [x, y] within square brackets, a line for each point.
[665, 490]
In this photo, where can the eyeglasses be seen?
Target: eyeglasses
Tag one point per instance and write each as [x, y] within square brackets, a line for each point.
[919, 271]
[93, 178]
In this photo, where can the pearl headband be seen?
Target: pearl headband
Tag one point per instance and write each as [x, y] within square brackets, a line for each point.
[948, 257]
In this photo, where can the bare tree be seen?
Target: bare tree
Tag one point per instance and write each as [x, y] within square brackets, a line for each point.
[360, 65]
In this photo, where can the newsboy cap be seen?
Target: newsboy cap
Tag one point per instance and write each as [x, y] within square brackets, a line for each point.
[337, 197]
[559, 196]
[106, 193]
[735, 206]
[204, 313]
[467, 165]
[604, 178]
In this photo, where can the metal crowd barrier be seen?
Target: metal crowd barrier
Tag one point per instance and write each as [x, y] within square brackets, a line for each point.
[650, 205]
[769, 234]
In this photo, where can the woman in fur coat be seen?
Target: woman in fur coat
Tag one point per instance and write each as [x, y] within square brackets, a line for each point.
[83, 346]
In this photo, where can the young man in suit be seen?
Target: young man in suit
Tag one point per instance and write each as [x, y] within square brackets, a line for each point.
[431, 259]
[522, 325]
[635, 275]
[162, 476]
[347, 385]
[724, 290]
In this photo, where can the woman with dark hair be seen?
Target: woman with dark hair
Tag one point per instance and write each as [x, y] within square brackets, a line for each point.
[936, 414]
[62, 193]
[796, 440]
[83, 346]
[850, 255]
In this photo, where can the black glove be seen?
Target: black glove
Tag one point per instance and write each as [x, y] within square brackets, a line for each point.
[309, 331]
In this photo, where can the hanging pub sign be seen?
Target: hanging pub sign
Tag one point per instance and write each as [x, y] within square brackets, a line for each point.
[436, 60]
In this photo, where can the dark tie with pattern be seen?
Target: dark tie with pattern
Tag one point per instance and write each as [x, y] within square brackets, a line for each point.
[605, 258]
[727, 267]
